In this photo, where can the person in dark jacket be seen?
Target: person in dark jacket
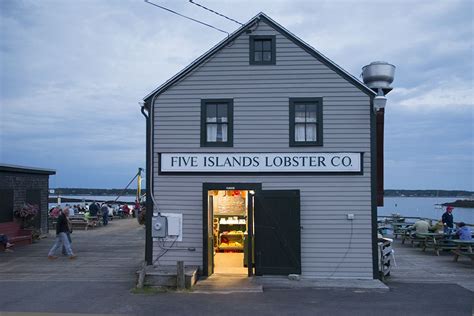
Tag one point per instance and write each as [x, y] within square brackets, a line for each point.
[105, 214]
[447, 220]
[93, 209]
[63, 228]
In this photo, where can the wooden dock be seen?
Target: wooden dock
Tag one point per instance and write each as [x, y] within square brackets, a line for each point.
[105, 254]
[115, 252]
[415, 266]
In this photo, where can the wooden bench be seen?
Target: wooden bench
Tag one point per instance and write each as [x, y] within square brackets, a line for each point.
[458, 253]
[15, 234]
[78, 223]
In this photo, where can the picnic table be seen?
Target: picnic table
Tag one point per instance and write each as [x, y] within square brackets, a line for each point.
[431, 239]
[399, 229]
[463, 244]
[405, 233]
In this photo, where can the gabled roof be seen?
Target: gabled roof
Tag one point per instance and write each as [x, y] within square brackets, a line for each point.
[24, 169]
[261, 17]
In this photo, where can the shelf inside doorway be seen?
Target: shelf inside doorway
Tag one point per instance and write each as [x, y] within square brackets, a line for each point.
[234, 248]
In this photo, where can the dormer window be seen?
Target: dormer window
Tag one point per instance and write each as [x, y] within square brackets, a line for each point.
[262, 50]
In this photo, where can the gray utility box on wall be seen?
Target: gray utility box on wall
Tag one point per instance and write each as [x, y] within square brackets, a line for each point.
[159, 226]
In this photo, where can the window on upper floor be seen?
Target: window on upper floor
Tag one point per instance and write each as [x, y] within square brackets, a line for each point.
[306, 122]
[262, 50]
[217, 123]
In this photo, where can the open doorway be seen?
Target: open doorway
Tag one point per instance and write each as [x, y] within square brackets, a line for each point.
[228, 228]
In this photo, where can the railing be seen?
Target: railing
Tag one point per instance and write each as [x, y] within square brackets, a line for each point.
[401, 219]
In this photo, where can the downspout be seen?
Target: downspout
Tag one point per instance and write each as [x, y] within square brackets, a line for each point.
[373, 190]
[147, 112]
[380, 119]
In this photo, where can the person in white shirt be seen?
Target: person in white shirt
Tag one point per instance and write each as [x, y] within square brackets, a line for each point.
[421, 227]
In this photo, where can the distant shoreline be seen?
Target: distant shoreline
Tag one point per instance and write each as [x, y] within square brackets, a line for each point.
[430, 193]
[463, 194]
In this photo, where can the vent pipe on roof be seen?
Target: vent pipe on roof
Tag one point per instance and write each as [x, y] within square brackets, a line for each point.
[379, 75]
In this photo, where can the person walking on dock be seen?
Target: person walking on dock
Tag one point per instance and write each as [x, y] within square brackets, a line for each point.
[105, 214]
[63, 227]
[448, 220]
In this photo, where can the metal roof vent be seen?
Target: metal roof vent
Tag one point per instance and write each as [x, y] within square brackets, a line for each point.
[379, 75]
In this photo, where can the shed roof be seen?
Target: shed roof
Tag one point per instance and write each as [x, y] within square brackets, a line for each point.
[265, 18]
[24, 169]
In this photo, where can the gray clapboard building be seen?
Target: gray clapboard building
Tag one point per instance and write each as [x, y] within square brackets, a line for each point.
[264, 139]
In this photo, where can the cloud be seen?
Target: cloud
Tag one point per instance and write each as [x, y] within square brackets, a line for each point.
[71, 74]
[453, 95]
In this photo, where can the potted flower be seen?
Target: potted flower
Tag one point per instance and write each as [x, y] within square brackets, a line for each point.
[26, 214]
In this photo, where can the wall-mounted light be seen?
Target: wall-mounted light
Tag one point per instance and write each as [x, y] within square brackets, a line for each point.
[379, 103]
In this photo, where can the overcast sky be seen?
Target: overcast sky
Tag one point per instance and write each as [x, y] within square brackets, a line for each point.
[72, 73]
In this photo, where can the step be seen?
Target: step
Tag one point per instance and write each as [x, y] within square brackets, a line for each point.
[166, 276]
[227, 284]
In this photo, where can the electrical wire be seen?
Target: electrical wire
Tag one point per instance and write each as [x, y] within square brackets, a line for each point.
[215, 12]
[347, 250]
[187, 17]
[165, 249]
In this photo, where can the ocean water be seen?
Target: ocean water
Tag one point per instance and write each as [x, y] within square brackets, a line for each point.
[424, 207]
[406, 206]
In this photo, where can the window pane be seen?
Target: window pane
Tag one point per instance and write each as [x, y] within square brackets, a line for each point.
[258, 45]
[267, 45]
[258, 56]
[311, 132]
[211, 132]
[311, 113]
[299, 113]
[267, 56]
[221, 132]
[299, 132]
[222, 113]
[211, 112]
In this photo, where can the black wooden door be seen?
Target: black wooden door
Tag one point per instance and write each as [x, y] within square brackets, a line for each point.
[277, 232]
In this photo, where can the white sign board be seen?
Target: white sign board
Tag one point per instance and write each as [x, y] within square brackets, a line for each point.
[261, 162]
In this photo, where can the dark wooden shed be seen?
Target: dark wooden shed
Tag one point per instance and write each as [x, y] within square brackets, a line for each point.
[20, 185]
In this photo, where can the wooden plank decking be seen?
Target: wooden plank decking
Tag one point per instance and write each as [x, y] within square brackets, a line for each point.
[106, 254]
[113, 253]
[416, 266]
